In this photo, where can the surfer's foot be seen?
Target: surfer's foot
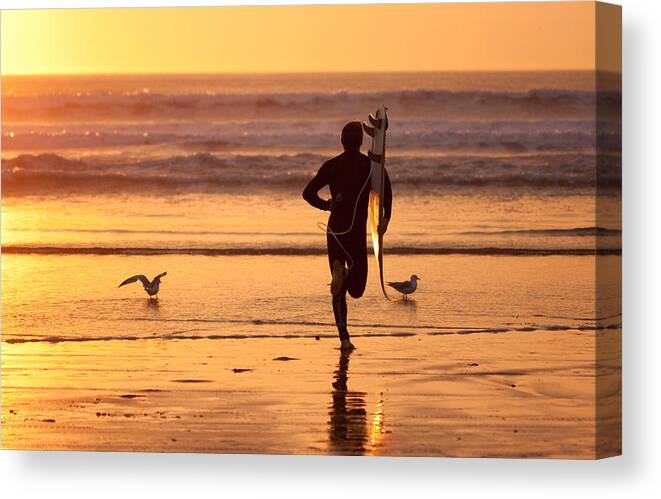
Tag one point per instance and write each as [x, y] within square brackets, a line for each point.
[347, 346]
[339, 274]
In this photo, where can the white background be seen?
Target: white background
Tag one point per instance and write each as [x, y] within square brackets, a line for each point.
[635, 474]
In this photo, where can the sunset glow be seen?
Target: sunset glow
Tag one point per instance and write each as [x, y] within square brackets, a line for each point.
[505, 36]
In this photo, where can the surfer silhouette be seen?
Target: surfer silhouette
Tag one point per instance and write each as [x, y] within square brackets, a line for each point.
[348, 177]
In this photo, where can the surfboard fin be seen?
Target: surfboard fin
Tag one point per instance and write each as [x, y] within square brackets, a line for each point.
[368, 129]
[376, 122]
[374, 157]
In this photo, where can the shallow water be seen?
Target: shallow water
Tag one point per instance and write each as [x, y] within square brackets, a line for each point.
[264, 222]
[59, 297]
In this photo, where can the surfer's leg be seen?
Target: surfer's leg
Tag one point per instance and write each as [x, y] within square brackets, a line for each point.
[357, 278]
[337, 259]
[354, 283]
[340, 313]
[337, 262]
[338, 273]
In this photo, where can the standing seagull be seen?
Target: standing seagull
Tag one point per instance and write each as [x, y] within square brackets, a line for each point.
[151, 288]
[406, 287]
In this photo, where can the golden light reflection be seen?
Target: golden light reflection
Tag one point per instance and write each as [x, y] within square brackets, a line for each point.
[377, 429]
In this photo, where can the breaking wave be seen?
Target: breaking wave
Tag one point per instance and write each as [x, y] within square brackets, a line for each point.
[205, 172]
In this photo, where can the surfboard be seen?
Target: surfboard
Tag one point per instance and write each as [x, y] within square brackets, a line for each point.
[378, 124]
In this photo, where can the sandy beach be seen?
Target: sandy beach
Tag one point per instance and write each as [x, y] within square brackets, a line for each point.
[509, 395]
[469, 383]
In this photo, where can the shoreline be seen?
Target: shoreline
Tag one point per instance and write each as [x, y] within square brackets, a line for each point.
[596, 328]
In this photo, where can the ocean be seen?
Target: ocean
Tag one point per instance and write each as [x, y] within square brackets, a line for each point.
[477, 160]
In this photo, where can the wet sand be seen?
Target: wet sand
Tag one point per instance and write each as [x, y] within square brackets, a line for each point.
[492, 356]
[511, 394]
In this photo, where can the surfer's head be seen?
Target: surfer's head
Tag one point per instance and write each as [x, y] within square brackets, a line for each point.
[352, 136]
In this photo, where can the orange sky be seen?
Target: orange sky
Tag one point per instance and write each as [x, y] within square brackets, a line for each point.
[505, 36]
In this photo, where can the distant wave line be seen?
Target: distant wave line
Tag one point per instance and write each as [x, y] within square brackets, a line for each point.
[302, 251]
[144, 102]
[576, 231]
[164, 231]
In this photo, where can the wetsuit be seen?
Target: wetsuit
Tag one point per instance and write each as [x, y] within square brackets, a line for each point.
[346, 175]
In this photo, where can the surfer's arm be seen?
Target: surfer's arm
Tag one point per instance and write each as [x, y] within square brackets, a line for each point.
[311, 191]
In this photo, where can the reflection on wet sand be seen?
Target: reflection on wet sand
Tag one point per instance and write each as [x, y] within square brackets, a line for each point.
[348, 429]
[376, 427]
[409, 304]
[153, 304]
